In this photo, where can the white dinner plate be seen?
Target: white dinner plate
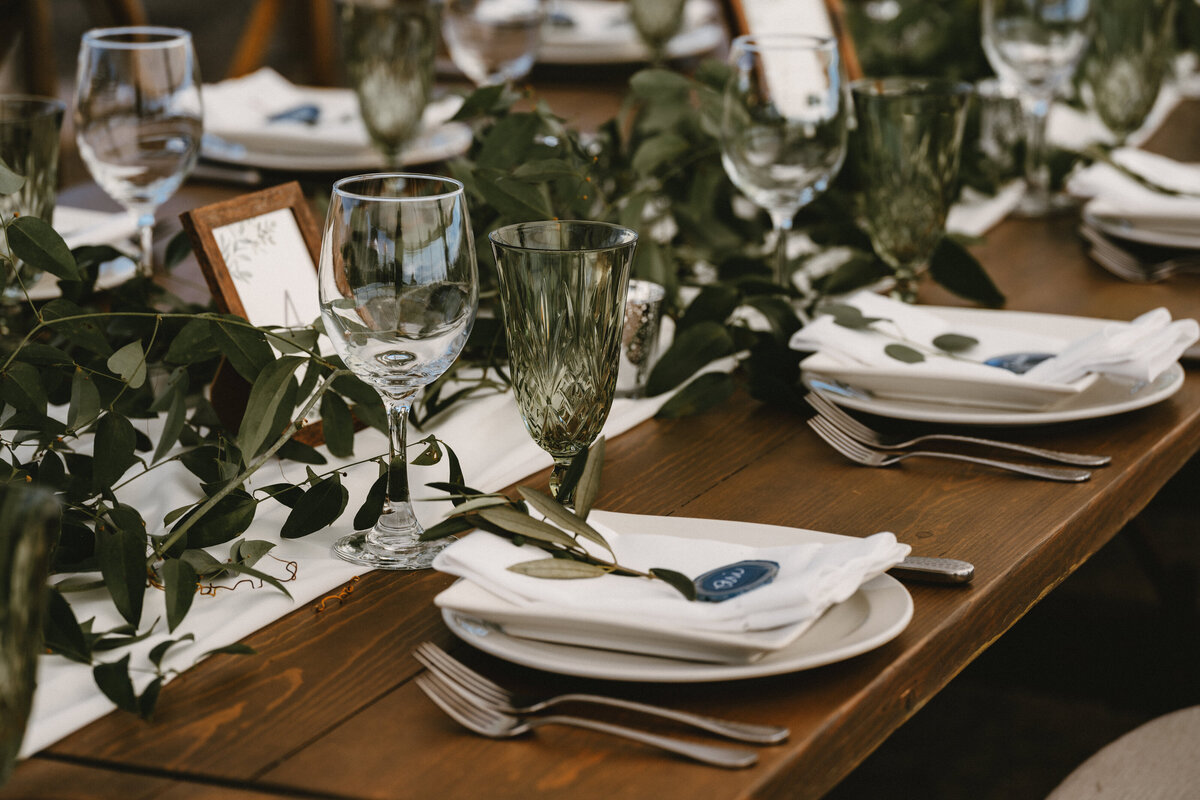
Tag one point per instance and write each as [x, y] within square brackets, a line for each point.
[1170, 233]
[874, 615]
[603, 34]
[445, 141]
[1104, 397]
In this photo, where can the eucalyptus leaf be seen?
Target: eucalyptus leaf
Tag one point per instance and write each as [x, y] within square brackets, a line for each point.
[60, 629]
[954, 342]
[714, 304]
[176, 414]
[159, 650]
[561, 516]
[113, 679]
[287, 494]
[36, 243]
[224, 522]
[245, 347]
[485, 501]
[121, 555]
[235, 649]
[179, 588]
[248, 552]
[318, 508]
[368, 513]
[266, 397]
[660, 150]
[902, 352]
[953, 266]
[692, 349]
[179, 247]
[115, 443]
[193, 344]
[10, 182]
[447, 527]
[706, 391]
[558, 569]
[847, 316]
[85, 401]
[337, 425]
[130, 363]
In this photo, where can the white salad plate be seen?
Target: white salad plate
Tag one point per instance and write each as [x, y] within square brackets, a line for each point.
[1102, 395]
[874, 615]
[1158, 231]
[604, 34]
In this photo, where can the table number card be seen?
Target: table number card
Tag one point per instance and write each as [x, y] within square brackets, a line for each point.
[259, 254]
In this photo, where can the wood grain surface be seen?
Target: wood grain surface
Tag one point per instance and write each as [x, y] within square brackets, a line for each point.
[328, 707]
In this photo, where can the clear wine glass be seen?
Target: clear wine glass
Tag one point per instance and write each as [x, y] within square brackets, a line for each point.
[399, 292]
[138, 118]
[493, 41]
[389, 47]
[563, 286]
[1036, 46]
[783, 126]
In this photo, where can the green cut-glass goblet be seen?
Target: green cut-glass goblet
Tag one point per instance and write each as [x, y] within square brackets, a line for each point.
[563, 287]
[905, 156]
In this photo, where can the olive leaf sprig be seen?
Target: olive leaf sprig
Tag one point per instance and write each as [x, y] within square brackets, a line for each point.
[947, 345]
[561, 532]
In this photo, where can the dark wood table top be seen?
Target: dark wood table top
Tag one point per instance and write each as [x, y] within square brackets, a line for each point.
[328, 707]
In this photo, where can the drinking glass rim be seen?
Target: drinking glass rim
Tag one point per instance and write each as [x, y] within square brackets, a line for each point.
[910, 86]
[756, 42]
[49, 104]
[98, 37]
[458, 190]
[546, 222]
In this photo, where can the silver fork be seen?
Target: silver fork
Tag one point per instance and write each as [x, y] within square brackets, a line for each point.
[873, 438]
[492, 723]
[1127, 265]
[857, 451]
[441, 663]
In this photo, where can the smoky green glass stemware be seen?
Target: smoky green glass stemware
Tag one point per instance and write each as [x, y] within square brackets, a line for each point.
[657, 22]
[905, 155]
[563, 286]
[389, 47]
[1130, 55]
[29, 135]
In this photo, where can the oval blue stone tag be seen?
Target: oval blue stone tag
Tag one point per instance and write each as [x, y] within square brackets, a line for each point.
[731, 580]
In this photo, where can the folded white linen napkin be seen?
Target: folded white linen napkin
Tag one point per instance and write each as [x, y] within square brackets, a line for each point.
[239, 110]
[1140, 351]
[80, 226]
[812, 577]
[1114, 193]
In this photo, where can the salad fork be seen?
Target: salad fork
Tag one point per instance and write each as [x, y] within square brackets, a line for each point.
[495, 725]
[1125, 264]
[857, 451]
[441, 663]
[873, 438]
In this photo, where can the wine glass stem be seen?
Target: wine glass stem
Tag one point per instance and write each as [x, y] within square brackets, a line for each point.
[557, 475]
[1037, 178]
[781, 222]
[146, 234]
[397, 525]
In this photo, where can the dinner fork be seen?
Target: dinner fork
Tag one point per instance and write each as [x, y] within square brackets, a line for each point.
[857, 451]
[441, 663]
[491, 723]
[1125, 264]
[873, 438]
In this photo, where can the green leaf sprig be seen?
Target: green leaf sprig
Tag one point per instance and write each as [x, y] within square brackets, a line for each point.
[902, 349]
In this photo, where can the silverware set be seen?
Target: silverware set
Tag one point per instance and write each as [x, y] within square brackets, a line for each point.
[1129, 266]
[482, 706]
[862, 444]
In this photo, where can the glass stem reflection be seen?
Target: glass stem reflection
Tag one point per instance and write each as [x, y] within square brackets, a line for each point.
[146, 235]
[397, 526]
[781, 221]
[557, 476]
[1037, 172]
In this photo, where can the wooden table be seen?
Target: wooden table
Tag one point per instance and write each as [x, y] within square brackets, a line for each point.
[328, 708]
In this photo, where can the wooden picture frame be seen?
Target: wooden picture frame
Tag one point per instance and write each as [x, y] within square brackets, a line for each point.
[259, 254]
[799, 16]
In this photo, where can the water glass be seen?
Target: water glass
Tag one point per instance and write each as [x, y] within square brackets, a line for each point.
[639, 336]
[563, 287]
[29, 135]
[493, 41]
[399, 292]
[389, 47]
[28, 532]
[138, 118]
[1036, 45]
[657, 22]
[905, 152]
[783, 125]
[1129, 57]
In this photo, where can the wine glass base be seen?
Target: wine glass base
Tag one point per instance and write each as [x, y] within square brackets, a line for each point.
[417, 555]
[1032, 206]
